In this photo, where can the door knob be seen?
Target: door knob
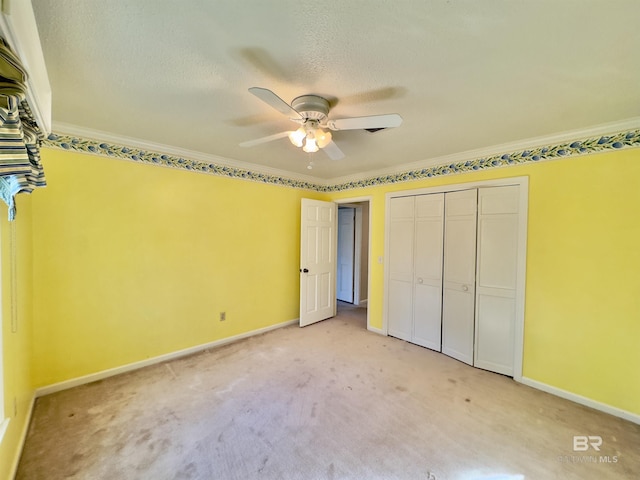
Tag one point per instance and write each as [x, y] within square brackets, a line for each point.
[465, 288]
[419, 280]
[304, 270]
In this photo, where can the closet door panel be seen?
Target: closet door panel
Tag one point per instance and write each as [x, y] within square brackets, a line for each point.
[427, 307]
[428, 264]
[401, 238]
[401, 241]
[498, 251]
[460, 249]
[496, 280]
[400, 310]
[457, 327]
[427, 316]
[495, 333]
[458, 306]
[499, 200]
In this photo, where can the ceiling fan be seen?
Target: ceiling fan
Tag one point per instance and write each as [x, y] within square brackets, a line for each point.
[312, 112]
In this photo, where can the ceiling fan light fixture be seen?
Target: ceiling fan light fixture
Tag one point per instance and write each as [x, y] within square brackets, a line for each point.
[310, 146]
[311, 112]
[297, 137]
[322, 138]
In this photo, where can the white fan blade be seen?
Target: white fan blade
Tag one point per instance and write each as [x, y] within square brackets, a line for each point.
[273, 100]
[361, 123]
[333, 151]
[270, 138]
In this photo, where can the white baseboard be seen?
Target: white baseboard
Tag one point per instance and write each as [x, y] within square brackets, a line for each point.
[23, 438]
[376, 330]
[93, 377]
[603, 407]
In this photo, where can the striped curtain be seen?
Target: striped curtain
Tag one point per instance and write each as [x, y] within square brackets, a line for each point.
[20, 137]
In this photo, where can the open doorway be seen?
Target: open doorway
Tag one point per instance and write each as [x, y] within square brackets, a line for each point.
[346, 260]
[352, 278]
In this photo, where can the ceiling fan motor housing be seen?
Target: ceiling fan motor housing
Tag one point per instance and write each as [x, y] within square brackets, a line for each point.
[311, 107]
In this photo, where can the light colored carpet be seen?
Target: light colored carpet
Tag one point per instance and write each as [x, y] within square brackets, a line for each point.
[329, 401]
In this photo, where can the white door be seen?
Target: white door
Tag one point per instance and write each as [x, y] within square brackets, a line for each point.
[346, 246]
[317, 261]
[427, 305]
[400, 293]
[458, 300]
[496, 278]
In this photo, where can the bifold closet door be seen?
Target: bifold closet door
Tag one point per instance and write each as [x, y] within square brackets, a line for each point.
[458, 307]
[401, 238]
[498, 218]
[427, 299]
[453, 270]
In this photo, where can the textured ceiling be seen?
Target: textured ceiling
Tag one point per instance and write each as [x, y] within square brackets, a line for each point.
[464, 75]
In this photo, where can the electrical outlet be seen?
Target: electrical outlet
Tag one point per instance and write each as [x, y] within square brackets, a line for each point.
[223, 316]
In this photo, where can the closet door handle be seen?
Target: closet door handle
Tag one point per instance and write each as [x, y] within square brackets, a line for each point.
[465, 288]
[419, 280]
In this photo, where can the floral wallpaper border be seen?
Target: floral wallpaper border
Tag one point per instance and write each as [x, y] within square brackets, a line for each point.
[67, 142]
[596, 144]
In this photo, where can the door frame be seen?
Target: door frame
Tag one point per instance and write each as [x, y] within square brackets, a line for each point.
[357, 251]
[523, 183]
[355, 261]
[358, 254]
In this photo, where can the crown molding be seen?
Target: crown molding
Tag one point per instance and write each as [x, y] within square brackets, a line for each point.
[599, 138]
[505, 148]
[67, 129]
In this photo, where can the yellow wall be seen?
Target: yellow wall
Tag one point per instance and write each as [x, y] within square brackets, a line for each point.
[582, 313]
[133, 261]
[16, 348]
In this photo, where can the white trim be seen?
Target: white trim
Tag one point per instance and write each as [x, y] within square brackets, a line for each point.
[357, 253]
[376, 330]
[526, 144]
[574, 397]
[523, 183]
[18, 26]
[563, 137]
[521, 279]
[74, 382]
[455, 187]
[355, 263]
[23, 438]
[104, 137]
[369, 200]
[363, 303]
